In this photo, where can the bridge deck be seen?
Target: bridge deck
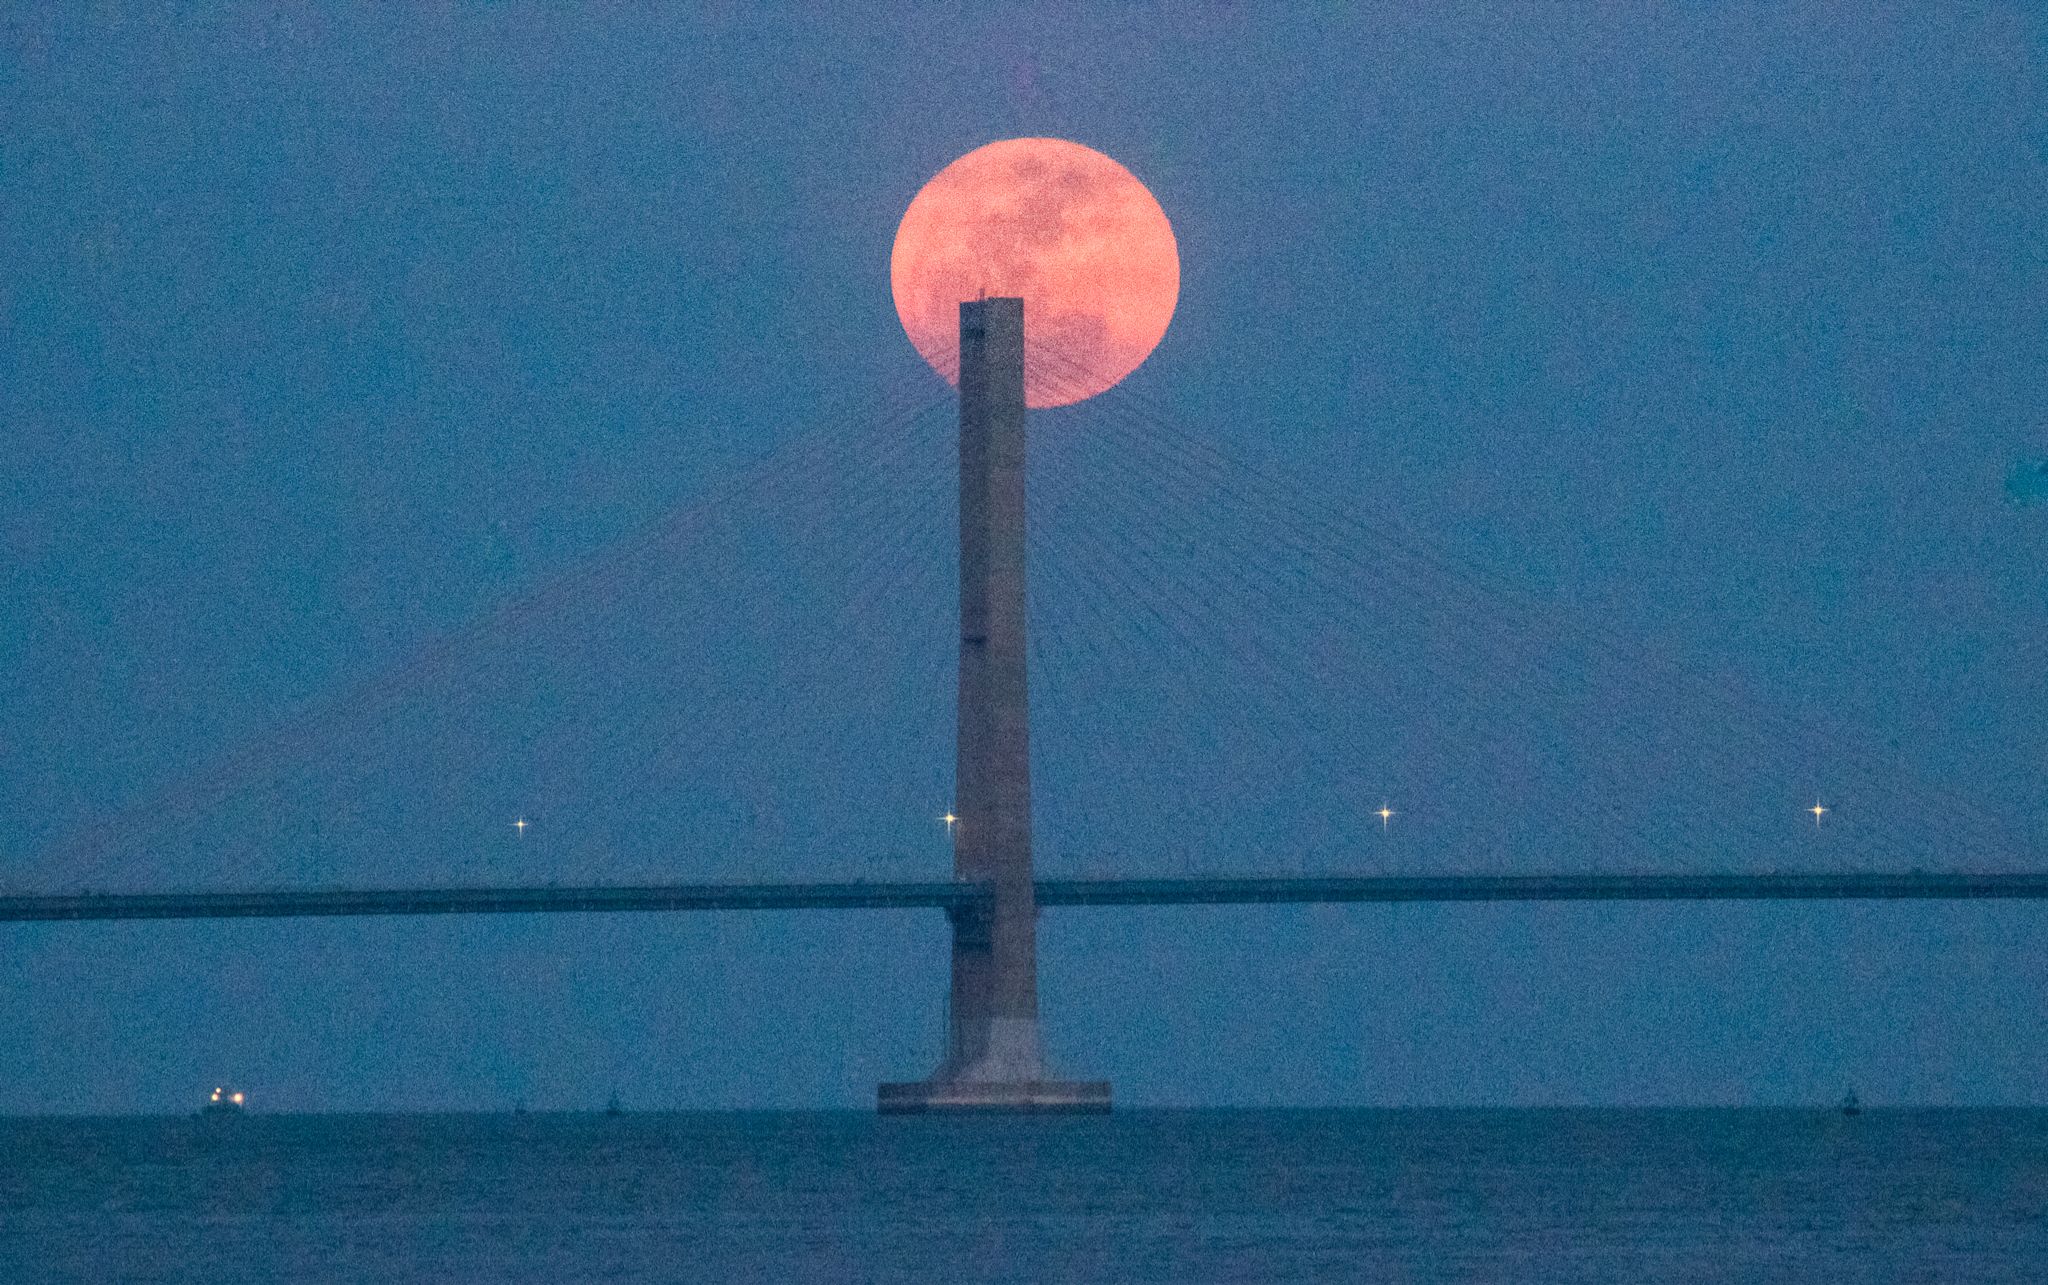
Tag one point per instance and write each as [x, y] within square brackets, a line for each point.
[1051, 892]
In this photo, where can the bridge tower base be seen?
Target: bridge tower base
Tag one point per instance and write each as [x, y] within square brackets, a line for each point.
[994, 1060]
[964, 1097]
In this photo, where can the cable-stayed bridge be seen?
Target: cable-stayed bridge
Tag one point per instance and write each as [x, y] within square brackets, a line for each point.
[1225, 658]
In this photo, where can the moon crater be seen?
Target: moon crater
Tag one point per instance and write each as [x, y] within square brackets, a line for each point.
[1062, 226]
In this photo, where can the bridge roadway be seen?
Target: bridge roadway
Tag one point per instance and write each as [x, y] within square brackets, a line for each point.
[948, 894]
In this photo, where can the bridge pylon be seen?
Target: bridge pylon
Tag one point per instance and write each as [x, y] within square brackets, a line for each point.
[994, 1059]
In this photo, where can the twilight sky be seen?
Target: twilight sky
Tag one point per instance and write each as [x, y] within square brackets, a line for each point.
[1715, 338]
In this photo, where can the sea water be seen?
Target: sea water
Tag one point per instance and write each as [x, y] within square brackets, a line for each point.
[1482, 1195]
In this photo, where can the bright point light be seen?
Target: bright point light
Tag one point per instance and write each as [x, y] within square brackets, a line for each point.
[950, 821]
[1385, 814]
[1818, 812]
[520, 825]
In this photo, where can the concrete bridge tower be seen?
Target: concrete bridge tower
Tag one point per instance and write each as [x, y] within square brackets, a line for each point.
[994, 1059]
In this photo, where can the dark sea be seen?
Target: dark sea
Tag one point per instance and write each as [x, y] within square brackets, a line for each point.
[1483, 1195]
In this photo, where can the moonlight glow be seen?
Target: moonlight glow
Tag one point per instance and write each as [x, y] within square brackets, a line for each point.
[1062, 226]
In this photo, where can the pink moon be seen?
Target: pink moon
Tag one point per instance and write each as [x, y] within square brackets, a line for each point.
[1062, 226]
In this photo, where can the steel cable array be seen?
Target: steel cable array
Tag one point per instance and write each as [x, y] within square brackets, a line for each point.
[1232, 668]
[1675, 770]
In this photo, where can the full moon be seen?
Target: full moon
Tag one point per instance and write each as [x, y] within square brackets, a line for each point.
[1062, 226]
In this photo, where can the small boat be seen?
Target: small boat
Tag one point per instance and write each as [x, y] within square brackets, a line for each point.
[224, 1101]
[1850, 1105]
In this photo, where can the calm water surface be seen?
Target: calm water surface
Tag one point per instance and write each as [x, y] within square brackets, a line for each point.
[1138, 1196]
